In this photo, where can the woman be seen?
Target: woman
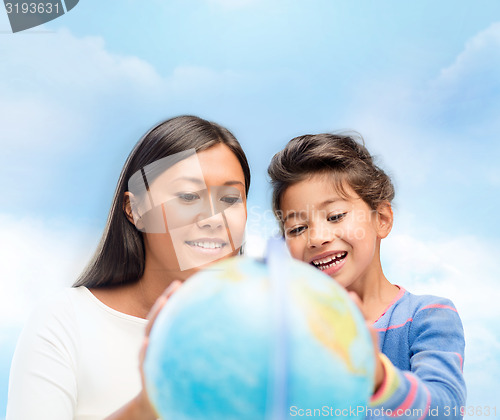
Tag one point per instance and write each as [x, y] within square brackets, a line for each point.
[180, 204]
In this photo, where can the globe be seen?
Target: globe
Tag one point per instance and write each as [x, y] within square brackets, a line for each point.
[250, 339]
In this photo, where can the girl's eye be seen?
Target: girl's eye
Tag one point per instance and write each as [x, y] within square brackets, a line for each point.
[188, 197]
[336, 217]
[230, 199]
[296, 231]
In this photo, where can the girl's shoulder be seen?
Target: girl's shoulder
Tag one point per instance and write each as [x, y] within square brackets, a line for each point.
[414, 304]
[411, 309]
[425, 312]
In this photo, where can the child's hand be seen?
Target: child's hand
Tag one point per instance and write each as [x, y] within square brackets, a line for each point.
[379, 367]
[145, 406]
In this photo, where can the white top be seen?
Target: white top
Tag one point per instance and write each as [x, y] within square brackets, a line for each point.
[75, 359]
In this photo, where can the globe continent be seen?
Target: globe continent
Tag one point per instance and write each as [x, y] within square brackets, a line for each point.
[220, 347]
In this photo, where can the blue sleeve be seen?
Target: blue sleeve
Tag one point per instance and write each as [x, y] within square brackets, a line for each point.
[434, 387]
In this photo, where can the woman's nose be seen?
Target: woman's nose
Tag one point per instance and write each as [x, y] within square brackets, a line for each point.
[208, 220]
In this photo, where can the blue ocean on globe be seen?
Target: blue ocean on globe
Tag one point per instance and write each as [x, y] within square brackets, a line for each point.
[248, 339]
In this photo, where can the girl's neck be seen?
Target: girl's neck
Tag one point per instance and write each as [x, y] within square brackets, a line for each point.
[375, 291]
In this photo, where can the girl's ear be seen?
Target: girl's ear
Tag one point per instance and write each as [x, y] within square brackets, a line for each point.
[130, 210]
[385, 218]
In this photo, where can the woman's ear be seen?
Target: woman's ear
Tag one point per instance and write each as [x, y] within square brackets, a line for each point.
[130, 209]
[385, 218]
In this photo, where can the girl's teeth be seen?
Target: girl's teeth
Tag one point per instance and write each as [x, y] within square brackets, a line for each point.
[330, 261]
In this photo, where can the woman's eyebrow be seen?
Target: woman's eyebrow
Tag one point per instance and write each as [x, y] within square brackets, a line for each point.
[190, 179]
[202, 182]
[234, 183]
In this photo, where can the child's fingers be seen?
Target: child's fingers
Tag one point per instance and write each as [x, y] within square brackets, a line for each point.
[142, 353]
[160, 303]
[379, 369]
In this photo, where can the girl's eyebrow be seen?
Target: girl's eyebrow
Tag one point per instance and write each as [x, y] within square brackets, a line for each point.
[294, 214]
[330, 201]
[303, 214]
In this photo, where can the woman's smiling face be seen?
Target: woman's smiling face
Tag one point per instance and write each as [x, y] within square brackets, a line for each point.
[199, 214]
[338, 235]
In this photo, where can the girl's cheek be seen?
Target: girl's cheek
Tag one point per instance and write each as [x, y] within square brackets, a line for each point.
[294, 249]
[357, 234]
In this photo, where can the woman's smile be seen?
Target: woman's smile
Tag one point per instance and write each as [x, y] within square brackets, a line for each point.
[210, 246]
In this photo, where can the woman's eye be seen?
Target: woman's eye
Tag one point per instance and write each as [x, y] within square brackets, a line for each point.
[296, 231]
[336, 217]
[231, 199]
[188, 197]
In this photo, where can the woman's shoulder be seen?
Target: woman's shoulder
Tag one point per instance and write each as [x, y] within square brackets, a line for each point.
[54, 304]
[51, 325]
[55, 311]
[80, 305]
[60, 304]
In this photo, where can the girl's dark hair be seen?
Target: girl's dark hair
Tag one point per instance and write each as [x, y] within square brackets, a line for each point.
[341, 156]
[120, 256]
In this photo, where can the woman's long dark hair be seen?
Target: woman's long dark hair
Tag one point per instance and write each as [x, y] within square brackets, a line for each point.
[120, 256]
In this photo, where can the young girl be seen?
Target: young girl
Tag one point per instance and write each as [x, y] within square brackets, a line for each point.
[180, 204]
[334, 208]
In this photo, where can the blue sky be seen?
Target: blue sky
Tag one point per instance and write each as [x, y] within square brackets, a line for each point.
[418, 80]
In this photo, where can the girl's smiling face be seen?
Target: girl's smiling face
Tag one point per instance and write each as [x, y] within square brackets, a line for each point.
[339, 235]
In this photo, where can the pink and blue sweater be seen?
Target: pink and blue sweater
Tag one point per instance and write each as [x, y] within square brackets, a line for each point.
[423, 339]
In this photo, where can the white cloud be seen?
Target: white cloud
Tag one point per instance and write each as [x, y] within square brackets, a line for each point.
[57, 90]
[38, 258]
[477, 64]
[37, 123]
[453, 114]
[481, 364]
[464, 269]
[54, 85]
[467, 92]
[64, 99]
[62, 61]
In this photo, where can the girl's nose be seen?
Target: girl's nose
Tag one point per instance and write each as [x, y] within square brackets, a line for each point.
[319, 236]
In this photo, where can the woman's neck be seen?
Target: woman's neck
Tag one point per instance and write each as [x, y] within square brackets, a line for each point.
[137, 298]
